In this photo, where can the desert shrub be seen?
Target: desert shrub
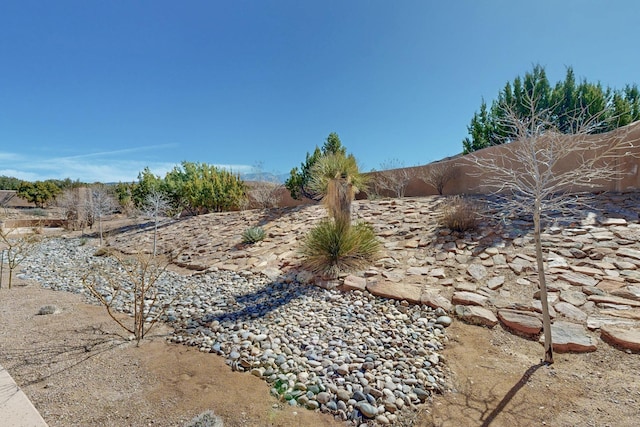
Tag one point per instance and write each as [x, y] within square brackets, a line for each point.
[205, 419]
[136, 281]
[334, 247]
[253, 235]
[14, 251]
[460, 214]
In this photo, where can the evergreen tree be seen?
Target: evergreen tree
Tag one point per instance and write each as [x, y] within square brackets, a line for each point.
[299, 178]
[563, 102]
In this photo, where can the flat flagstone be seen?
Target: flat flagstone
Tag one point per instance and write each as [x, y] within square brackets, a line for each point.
[352, 282]
[476, 315]
[418, 271]
[495, 282]
[438, 273]
[578, 279]
[435, 300]
[573, 297]
[621, 337]
[468, 298]
[398, 291]
[628, 252]
[613, 221]
[571, 337]
[520, 321]
[477, 271]
[610, 285]
[570, 311]
[597, 321]
[603, 299]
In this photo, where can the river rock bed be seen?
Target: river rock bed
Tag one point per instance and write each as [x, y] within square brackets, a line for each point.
[358, 356]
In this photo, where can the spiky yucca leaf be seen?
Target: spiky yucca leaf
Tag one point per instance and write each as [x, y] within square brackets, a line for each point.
[334, 247]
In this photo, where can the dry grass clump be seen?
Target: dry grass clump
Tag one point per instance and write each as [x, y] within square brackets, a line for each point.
[335, 247]
[460, 214]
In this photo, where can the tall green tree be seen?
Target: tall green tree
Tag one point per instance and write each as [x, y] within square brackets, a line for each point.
[299, 178]
[562, 103]
[146, 184]
[201, 188]
[9, 183]
[39, 192]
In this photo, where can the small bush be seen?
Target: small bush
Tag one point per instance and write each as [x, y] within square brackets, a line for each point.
[253, 235]
[205, 419]
[333, 247]
[460, 214]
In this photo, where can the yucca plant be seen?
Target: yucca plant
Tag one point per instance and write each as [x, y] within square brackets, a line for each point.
[334, 247]
[253, 235]
[337, 178]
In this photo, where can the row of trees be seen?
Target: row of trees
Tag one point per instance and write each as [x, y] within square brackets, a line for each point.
[193, 187]
[561, 104]
[40, 193]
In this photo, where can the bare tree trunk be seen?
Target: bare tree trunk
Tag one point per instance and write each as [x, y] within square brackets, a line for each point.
[338, 200]
[100, 228]
[546, 318]
[155, 236]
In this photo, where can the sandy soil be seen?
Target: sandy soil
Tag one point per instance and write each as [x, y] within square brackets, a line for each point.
[78, 370]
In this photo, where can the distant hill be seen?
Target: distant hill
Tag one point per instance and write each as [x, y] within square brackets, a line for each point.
[263, 176]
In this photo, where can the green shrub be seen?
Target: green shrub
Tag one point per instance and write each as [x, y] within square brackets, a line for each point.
[334, 247]
[253, 235]
[460, 214]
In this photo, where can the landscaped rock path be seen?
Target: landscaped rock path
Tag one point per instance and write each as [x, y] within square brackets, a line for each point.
[354, 355]
[486, 277]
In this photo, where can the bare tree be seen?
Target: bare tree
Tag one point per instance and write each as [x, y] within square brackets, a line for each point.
[439, 174]
[394, 177]
[100, 204]
[15, 249]
[156, 205]
[5, 199]
[135, 282]
[542, 171]
[70, 203]
[266, 190]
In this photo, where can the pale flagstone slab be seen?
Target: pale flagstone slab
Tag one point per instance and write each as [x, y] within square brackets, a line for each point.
[435, 300]
[521, 322]
[468, 298]
[597, 321]
[476, 315]
[398, 291]
[352, 282]
[621, 337]
[477, 271]
[600, 299]
[628, 252]
[571, 337]
[578, 279]
[570, 311]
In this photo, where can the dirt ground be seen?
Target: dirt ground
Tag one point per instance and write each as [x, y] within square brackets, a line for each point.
[78, 370]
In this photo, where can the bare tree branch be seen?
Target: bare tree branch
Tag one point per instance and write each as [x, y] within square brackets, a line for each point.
[394, 177]
[542, 172]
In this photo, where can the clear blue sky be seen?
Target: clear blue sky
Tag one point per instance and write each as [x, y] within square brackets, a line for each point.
[97, 90]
